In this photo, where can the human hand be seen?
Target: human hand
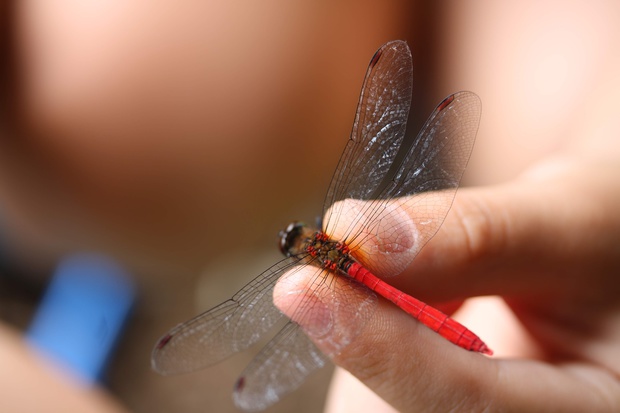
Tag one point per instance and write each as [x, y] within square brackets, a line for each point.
[547, 244]
[33, 383]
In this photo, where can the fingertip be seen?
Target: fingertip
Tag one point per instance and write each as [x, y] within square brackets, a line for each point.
[295, 297]
[330, 309]
[385, 245]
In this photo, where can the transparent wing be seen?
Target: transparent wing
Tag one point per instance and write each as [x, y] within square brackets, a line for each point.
[291, 356]
[437, 158]
[277, 370]
[430, 167]
[378, 129]
[228, 328]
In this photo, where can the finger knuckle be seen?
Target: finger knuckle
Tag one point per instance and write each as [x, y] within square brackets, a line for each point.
[484, 227]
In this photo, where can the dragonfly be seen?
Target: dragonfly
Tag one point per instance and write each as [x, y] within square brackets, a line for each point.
[377, 168]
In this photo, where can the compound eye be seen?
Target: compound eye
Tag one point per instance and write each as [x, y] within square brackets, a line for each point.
[289, 237]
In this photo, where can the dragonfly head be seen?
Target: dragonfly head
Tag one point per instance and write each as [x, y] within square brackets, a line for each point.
[291, 238]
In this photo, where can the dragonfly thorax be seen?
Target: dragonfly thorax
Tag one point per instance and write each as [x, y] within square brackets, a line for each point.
[298, 238]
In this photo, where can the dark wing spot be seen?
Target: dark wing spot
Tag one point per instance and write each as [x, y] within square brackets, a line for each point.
[163, 341]
[375, 58]
[444, 103]
[240, 384]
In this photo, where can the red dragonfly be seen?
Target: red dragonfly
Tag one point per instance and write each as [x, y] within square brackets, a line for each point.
[378, 166]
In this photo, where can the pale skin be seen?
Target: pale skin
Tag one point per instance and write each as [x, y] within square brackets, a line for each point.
[542, 232]
[568, 358]
[546, 241]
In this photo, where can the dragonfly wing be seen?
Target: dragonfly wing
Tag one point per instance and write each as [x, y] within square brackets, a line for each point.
[291, 356]
[378, 129]
[228, 328]
[281, 367]
[434, 163]
[431, 170]
[438, 156]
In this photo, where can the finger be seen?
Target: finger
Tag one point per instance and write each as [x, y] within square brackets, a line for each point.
[348, 395]
[414, 369]
[390, 352]
[546, 230]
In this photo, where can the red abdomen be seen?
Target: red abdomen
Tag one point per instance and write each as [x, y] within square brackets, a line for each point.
[434, 319]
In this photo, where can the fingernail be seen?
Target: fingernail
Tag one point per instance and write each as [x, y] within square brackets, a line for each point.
[386, 245]
[396, 232]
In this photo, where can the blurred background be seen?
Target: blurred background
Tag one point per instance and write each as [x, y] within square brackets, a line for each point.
[179, 137]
